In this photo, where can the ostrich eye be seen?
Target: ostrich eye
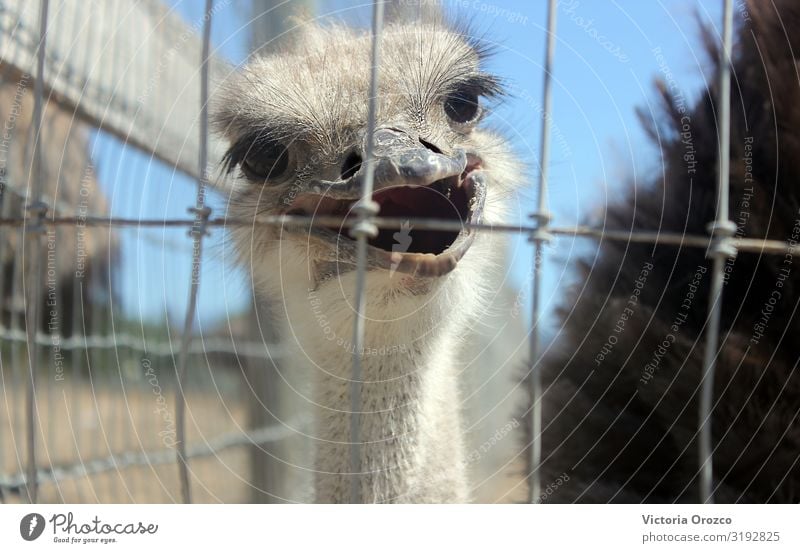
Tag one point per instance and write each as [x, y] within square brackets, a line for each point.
[462, 106]
[265, 162]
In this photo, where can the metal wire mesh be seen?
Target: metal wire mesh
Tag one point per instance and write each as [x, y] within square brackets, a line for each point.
[720, 244]
[78, 431]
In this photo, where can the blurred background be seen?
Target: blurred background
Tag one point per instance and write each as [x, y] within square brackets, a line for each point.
[120, 139]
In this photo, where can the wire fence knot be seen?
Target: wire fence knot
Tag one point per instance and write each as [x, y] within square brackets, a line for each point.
[200, 225]
[541, 220]
[364, 210]
[722, 244]
[37, 210]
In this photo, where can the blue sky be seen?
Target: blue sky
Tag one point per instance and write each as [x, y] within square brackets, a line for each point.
[605, 67]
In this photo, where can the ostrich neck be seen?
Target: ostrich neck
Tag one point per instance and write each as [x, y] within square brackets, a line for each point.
[411, 436]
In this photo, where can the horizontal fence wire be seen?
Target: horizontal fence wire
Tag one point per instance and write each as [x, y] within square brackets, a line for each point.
[120, 461]
[752, 245]
[258, 350]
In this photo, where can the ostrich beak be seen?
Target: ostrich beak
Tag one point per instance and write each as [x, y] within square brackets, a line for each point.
[400, 160]
[413, 179]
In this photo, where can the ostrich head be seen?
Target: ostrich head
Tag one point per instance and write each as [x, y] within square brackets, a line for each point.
[296, 122]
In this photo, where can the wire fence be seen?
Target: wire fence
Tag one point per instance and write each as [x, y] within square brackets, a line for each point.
[109, 415]
[38, 218]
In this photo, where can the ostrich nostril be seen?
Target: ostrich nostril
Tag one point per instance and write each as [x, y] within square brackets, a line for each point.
[351, 165]
[432, 147]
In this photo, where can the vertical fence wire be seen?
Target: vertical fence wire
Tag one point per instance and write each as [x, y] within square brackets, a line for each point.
[3, 361]
[198, 231]
[34, 229]
[364, 210]
[539, 236]
[721, 230]
[17, 321]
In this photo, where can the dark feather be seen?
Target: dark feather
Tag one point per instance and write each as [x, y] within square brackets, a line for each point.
[624, 436]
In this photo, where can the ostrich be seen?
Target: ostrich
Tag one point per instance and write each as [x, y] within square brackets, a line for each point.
[296, 123]
[620, 413]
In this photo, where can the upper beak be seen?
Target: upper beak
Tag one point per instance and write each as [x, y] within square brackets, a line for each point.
[399, 159]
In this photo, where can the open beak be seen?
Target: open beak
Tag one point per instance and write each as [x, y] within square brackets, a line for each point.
[413, 180]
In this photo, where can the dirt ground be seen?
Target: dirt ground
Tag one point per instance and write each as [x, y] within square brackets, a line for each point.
[93, 420]
[88, 422]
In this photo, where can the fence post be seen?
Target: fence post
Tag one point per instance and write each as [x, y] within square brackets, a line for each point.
[266, 407]
[722, 247]
[539, 236]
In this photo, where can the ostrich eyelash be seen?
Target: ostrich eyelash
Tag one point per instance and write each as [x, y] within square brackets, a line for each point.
[234, 156]
[482, 84]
